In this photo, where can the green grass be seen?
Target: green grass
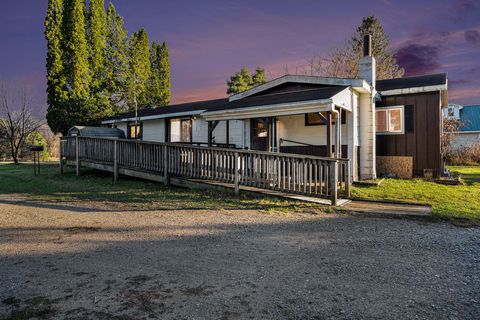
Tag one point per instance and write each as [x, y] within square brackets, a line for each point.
[448, 202]
[98, 186]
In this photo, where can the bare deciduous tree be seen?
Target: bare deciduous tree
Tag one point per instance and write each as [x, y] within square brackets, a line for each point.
[16, 121]
[451, 126]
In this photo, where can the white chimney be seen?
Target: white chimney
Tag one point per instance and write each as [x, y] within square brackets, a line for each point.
[367, 65]
[367, 114]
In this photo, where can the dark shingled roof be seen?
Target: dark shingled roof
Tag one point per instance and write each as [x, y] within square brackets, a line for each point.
[411, 82]
[223, 104]
[174, 108]
[285, 97]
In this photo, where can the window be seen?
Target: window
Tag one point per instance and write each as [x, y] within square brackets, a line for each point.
[389, 120]
[259, 129]
[135, 131]
[186, 130]
[315, 119]
[451, 112]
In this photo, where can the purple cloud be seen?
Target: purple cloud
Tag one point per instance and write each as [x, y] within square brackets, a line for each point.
[418, 59]
[467, 5]
[472, 36]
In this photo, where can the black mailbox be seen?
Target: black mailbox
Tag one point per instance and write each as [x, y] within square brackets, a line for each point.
[36, 148]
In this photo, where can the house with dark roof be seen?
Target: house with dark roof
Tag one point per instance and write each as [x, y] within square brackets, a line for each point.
[383, 127]
[469, 119]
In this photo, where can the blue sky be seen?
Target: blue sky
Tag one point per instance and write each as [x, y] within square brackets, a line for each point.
[209, 40]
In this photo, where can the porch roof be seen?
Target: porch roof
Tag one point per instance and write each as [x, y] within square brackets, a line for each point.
[275, 104]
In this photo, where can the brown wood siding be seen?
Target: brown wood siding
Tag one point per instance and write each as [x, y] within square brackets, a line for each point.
[423, 144]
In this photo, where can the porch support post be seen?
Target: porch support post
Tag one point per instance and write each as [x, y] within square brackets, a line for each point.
[347, 180]
[269, 133]
[274, 134]
[209, 136]
[115, 161]
[329, 135]
[227, 132]
[237, 173]
[211, 126]
[334, 182]
[77, 156]
[338, 125]
[165, 165]
[167, 130]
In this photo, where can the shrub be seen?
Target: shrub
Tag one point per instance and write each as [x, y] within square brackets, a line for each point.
[464, 155]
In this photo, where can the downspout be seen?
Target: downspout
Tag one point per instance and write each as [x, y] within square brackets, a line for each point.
[337, 131]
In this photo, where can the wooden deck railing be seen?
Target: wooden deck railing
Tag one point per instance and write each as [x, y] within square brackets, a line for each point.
[289, 173]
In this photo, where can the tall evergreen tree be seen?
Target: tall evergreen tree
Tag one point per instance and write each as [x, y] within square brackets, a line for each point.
[77, 71]
[383, 52]
[159, 83]
[140, 69]
[343, 61]
[116, 60]
[99, 105]
[96, 36]
[56, 83]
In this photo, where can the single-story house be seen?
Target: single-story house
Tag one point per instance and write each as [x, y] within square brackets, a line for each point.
[469, 119]
[382, 126]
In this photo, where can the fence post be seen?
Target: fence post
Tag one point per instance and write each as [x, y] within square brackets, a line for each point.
[115, 161]
[347, 179]
[165, 165]
[237, 174]
[334, 182]
[77, 156]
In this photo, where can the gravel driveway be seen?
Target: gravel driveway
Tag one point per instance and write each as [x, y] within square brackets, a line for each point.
[76, 263]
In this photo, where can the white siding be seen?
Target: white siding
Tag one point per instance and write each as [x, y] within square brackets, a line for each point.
[293, 128]
[465, 139]
[154, 130]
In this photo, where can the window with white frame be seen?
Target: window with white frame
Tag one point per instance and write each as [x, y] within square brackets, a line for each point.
[390, 120]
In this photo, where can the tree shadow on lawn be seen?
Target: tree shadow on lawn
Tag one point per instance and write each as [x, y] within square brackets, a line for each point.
[95, 190]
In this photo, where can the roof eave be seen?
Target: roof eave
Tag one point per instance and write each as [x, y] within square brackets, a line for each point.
[358, 84]
[396, 92]
[268, 110]
[155, 117]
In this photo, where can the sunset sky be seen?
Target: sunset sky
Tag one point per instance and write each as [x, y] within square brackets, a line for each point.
[210, 40]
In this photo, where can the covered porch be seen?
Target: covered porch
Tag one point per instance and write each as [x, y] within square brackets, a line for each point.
[313, 128]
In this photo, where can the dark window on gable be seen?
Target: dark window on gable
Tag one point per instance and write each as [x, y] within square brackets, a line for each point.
[314, 119]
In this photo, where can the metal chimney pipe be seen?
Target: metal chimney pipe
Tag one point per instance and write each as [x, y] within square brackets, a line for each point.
[367, 45]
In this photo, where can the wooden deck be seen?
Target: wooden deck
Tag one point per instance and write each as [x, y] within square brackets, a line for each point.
[279, 173]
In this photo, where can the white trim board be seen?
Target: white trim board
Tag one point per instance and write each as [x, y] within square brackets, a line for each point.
[269, 110]
[396, 92]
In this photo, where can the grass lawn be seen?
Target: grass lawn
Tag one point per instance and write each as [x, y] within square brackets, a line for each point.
[98, 186]
[448, 202]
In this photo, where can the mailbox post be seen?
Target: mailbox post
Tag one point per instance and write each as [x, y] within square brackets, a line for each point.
[36, 158]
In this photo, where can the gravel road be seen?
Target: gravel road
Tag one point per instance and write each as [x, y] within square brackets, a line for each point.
[61, 262]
